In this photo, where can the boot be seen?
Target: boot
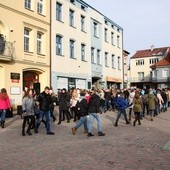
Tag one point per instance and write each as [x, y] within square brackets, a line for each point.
[73, 130]
[129, 118]
[29, 133]
[23, 133]
[2, 124]
[134, 123]
[101, 134]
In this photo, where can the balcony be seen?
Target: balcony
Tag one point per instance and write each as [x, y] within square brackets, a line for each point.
[6, 51]
[138, 80]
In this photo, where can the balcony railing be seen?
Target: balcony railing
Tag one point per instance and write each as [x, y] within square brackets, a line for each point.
[7, 51]
[138, 80]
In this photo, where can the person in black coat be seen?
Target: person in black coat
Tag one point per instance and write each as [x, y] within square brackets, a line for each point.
[94, 112]
[64, 104]
[82, 108]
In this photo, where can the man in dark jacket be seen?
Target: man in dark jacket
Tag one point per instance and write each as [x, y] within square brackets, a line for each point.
[44, 100]
[94, 112]
[121, 105]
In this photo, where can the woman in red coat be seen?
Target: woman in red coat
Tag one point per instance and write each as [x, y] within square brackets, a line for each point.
[4, 105]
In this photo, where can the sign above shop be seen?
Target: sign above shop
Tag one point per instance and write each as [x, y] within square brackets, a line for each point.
[15, 76]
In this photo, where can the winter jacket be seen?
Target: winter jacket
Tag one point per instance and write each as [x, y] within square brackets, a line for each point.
[28, 106]
[151, 100]
[130, 98]
[121, 103]
[94, 104]
[160, 99]
[137, 105]
[82, 107]
[64, 101]
[4, 102]
[45, 101]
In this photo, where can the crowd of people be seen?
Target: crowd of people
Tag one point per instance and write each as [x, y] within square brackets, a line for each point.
[81, 105]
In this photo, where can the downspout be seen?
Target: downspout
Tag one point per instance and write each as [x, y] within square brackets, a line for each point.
[122, 61]
[50, 40]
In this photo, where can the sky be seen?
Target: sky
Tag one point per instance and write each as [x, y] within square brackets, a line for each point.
[144, 22]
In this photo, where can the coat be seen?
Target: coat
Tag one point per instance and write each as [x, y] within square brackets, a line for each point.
[94, 104]
[64, 101]
[4, 102]
[28, 106]
[151, 100]
[137, 105]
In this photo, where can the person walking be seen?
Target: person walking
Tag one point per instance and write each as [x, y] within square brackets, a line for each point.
[28, 112]
[4, 105]
[121, 105]
[82, 107]
[44, 101]
[137, 107]
[94, 112]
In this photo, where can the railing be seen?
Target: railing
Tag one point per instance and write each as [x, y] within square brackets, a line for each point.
[137, 80]
[149, 79]
[7, 52]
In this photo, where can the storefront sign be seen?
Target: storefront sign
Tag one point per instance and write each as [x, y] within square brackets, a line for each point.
[15, 76]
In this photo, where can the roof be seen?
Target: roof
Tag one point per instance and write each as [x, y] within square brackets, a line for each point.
[150, 52]
[163, 63]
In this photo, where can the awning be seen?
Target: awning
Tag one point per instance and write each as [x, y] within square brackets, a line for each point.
[112, 79]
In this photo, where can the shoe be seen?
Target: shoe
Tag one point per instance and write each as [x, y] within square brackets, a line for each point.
[73, 130]
[134, 123]
[23, 133]
[29, 133]
[101, 134]
[151, 119]
[115, 124]
[54, 119]
[59, 123]
[36, 130]
[2, 125]
[50, 133]
[68, 121]
[90, 135]
[139, 123]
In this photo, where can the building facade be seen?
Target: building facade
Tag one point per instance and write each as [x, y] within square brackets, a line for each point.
[140, 66]
[24, 46]
[86, 47]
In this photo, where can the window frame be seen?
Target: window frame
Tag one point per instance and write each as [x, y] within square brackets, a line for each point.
[59, 44]
[58, 11]
[39, 43]
[40, 7]
[72, 48]
[71, 17]
[83, 54]
[28, 4]
[26, 40]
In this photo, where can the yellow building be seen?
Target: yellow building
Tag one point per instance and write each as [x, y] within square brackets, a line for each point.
[24, 46]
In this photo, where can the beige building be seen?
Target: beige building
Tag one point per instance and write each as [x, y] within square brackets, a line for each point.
[140, 66]
[24, 46]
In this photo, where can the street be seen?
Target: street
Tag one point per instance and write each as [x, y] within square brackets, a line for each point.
[144, 147]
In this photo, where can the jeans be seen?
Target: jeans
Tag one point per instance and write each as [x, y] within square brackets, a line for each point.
[91, 119]
[82, 120]
[119, 115]
[151, 112]
[47, 117]
[3, 115]
[107, 105]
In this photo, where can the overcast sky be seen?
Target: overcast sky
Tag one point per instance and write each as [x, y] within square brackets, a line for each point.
[144, 22]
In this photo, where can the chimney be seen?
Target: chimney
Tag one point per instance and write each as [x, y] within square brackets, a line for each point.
[152, 47]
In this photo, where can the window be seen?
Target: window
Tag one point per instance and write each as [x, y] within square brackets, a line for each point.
[26, 40]
[58, 45]
[113, 61]
[105, 35]
[58, 11]
[28, 4]
[72, 1]
[39, 43]
[106, 59]
[82, 52]
[40, 6]
[72, 42]
[92, 55]
[82, 23]
[112, 38]
[95, 29]
[98, 57]
[71, 17]
[118, 63]
[140, 76]
[140, 62]
[153, 60]
[83, 7]
[118, 41]
[164, 73]
[153, 73]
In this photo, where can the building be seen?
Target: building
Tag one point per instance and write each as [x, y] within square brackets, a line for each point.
[161, 73]
[86, 47]
[125, 69]
[140, 62]
[24, 46]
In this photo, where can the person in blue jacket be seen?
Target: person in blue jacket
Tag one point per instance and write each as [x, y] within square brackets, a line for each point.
[121, 105]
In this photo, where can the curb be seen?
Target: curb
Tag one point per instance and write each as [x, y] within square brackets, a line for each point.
[9, 121]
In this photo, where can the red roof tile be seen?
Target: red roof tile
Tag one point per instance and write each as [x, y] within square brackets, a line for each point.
[149, 53]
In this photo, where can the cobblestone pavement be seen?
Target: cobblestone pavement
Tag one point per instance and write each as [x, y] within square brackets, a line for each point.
[123, 148]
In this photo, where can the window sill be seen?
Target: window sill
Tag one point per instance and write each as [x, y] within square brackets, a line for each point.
[73, 58]
[29, 9]
[59, 20]
[41, 14]
[41, 55]
[73, 26]
[60, 55]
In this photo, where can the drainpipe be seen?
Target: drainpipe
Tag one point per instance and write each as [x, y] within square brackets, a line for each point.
[50, 40]
[122, 61]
